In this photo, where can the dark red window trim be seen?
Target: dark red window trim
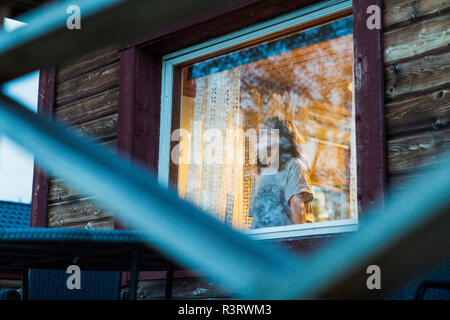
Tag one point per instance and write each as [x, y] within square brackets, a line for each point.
[39, 197]
[369, 99]
[139, 107]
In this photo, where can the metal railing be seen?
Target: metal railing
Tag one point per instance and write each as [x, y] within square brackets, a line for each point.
[411, 233]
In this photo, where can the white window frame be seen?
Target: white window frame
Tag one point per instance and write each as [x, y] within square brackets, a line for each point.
[170, 61]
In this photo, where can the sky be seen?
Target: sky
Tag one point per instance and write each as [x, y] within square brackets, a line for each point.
[16, 164]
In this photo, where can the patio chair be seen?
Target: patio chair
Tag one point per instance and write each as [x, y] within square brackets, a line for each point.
[50, 284]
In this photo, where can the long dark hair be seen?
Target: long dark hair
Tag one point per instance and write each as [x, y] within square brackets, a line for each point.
[291, 144]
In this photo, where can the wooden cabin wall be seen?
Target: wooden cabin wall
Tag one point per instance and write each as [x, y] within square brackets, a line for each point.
[417, 86]
[86, 98]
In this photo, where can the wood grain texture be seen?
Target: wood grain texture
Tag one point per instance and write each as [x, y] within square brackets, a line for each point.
[78, 211]
[417, 59]
[60, 192]
[87, 101]
[417, 76]
[418, 113]
[416, 39]
[400, 12]
[418, 151]
[91, 83]
[99, 129]
[87, 63]
[90, 108]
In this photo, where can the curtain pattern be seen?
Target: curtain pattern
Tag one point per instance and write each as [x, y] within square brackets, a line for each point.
[217, 187]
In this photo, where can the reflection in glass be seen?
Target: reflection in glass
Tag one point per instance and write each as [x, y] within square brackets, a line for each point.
[305, 79]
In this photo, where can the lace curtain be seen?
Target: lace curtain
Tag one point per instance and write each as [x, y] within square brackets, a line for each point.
[218, 187]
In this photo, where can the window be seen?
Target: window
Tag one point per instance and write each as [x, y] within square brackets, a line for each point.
[253, 119]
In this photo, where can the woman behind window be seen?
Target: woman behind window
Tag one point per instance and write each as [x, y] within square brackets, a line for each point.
[281, 193]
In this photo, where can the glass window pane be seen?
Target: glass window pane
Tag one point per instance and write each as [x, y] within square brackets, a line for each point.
[267, 132]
